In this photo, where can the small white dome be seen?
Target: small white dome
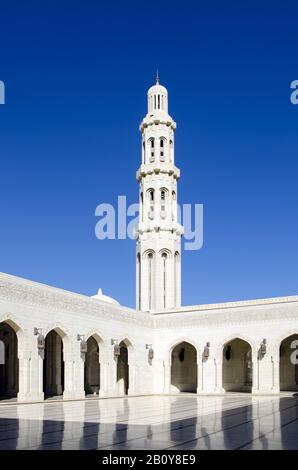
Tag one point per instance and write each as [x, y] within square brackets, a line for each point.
[155, 89]
[104, 298]
[157, 99]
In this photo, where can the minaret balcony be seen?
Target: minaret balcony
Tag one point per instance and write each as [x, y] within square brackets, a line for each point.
[157, 168]
[157, 118]
[161, 226]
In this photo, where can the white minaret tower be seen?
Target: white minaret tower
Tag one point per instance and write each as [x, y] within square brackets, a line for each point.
[159, 233]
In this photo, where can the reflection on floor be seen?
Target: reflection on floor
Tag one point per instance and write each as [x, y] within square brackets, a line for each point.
[157, 422]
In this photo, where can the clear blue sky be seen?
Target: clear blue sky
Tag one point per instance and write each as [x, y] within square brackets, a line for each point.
[77, 74]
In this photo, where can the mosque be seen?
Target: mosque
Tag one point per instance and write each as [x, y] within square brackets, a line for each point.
[58, 343]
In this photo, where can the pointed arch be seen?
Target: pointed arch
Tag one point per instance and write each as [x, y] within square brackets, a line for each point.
[125, 366]
[17, 327]
[288, 363]
[93, 363]
[184, 367]
[162, 148]
[182, 339]
[149, 267]
[237, 364]
[151, 150]
[57, 344]
[281, 338]
[129, 344]
[100, 339]
[10, 333]
[223, 343]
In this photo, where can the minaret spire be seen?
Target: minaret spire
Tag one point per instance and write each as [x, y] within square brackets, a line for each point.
[157, 77]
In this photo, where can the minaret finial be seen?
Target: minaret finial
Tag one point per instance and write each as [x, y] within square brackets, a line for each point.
[157, 77]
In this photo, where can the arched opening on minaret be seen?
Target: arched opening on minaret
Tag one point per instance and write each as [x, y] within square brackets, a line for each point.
[53, 365]
[151, 149]
[237, 366]
[164, 258]
[162, 149]
[171, 151]
[143, 152]
[174, 206]
[92, 367]
[288, 364]
[184, 375]
[150, 279]
[177, 278]
[141, 208]
[139, 279]
[9, 362]
[150, 205]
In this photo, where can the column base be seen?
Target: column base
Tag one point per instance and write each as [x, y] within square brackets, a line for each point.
[30, 397]
[211, 392]
[265, 392]
[73, 395]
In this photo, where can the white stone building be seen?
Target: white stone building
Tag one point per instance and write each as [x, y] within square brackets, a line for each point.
[54, 342]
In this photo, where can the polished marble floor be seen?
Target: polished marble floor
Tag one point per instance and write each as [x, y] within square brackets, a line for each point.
[155, 422]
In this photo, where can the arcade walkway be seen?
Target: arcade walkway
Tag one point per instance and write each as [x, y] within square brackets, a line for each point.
[159, 422]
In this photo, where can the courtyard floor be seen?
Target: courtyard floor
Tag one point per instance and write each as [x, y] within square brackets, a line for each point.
[186, 422]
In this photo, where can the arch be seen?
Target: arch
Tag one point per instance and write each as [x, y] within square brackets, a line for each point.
[97, 335]
[129, 344]
[148, 267]
[148, 252]
[162, 148]
[184, 368]
[53, 364]
[9, 363]
[151, 149]
[177, 277]
[124, 365]
[62, 331]
[166, 251]
[171, 151]
[288, 363]
[230, 338]
[143, 151]
[92, 367]
[164, 192]
[150, 193]
[237, 373]
[138, 281]
[141, 209]
[281, 338]
[17, 327]
[181, 339]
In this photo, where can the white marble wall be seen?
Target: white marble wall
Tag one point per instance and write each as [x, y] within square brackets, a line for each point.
[25, 305]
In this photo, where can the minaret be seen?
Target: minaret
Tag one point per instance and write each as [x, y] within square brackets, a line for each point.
[158, 257]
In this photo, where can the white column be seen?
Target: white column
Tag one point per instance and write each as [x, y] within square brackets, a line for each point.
[104, 379]
[132, 368]
[255, 374]
[24, 376]
[167, 377]
[218, 363]
[73, 387]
